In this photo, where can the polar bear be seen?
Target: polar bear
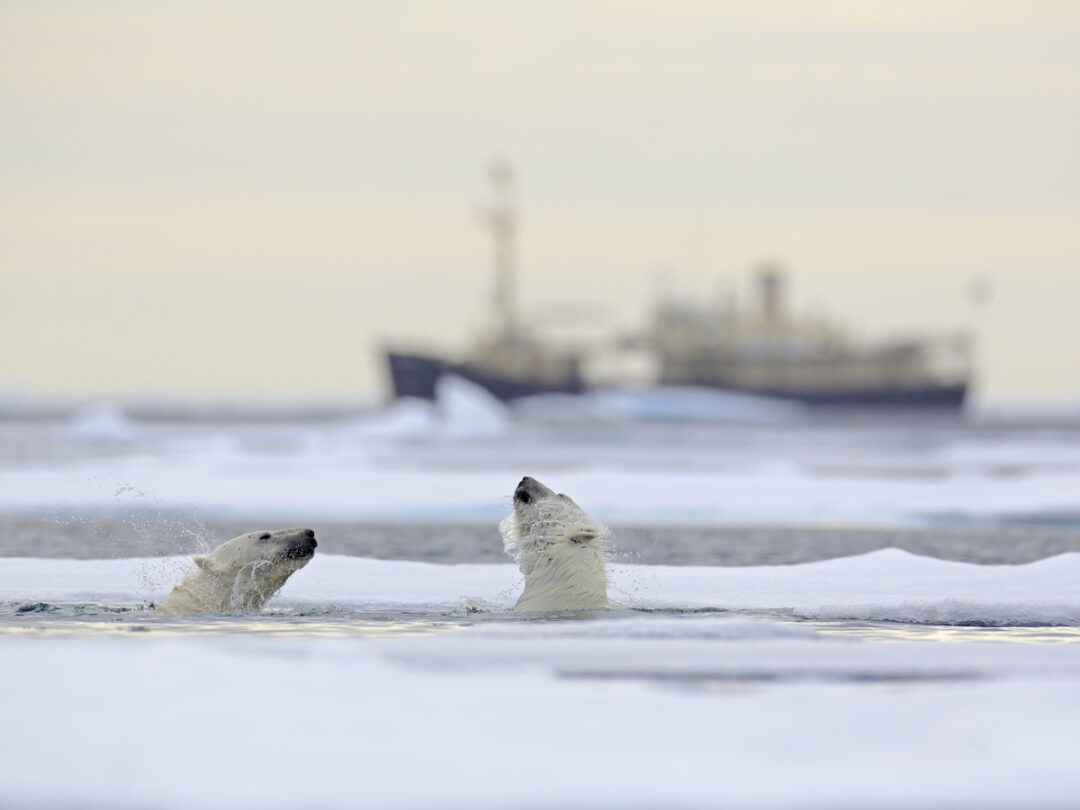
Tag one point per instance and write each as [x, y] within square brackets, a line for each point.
[559, 548]
[241, 574]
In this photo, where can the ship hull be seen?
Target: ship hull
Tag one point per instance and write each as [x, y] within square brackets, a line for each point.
[929, 397]
[416, 375]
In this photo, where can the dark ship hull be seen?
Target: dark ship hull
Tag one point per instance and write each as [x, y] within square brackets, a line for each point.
[930, 397]
[416, 375]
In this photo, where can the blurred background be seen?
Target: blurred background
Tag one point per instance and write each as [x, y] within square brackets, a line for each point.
[247, 200]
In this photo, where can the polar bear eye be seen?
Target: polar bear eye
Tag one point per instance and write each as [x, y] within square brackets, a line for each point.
[264, 536]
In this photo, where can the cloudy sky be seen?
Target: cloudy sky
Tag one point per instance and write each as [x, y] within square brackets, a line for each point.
[246, 199]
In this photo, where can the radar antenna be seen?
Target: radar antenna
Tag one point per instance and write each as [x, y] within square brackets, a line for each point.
[501, 219]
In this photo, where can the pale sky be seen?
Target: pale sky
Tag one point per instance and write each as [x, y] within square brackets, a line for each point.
[246, 199]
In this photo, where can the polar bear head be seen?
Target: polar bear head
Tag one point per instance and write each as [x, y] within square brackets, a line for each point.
[243, 573]
[559, 548]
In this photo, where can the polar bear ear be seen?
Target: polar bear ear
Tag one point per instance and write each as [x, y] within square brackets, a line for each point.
[203, 563]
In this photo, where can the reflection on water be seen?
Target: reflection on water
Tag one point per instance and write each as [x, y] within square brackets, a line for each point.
[43, 619]
[333, 621]
[237, 625]
[141, 534]
[899, 631]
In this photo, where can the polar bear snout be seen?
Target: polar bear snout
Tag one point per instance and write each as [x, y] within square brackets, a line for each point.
[530, 490]
[302, 545]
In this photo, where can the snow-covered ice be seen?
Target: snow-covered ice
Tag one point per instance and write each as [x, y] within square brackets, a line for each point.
[465, 452]
[339, 723]
[271, 722]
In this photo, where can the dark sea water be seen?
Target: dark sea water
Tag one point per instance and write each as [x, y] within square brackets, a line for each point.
[148, 535]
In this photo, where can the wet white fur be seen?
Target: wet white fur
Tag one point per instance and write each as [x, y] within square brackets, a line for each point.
[560, 550]
[239, 575]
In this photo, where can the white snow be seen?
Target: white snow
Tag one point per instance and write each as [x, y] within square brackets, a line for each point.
[334, 485]
[468, 411]
[675, 404]
[462, 411]
[465, 454]
[627, 712]
[100, 421]
[272, 722]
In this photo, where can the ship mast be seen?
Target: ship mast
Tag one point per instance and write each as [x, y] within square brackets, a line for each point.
[501, 220]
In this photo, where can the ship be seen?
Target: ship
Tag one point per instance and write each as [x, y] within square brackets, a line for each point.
[507, 359]
[759, 348]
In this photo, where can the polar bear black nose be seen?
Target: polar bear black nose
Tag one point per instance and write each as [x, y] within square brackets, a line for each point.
[527, 489]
